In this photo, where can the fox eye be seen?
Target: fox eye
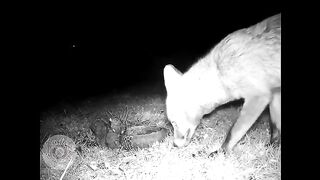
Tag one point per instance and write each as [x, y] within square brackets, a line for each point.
[174, 124]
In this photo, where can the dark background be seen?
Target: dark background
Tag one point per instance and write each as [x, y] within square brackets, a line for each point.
[91, 56]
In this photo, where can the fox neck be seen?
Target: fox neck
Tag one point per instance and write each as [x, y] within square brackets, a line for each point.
[206, 87]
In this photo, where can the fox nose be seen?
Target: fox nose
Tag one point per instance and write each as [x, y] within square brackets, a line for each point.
[174, 145]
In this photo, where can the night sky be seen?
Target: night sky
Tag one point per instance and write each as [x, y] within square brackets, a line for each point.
[86, 58]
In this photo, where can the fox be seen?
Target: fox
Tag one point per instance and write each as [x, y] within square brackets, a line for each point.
[246, 65]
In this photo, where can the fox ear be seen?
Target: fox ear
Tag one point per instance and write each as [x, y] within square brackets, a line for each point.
[171, 76]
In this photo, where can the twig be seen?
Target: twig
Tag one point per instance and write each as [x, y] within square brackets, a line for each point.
[66, 169]
[123, 172]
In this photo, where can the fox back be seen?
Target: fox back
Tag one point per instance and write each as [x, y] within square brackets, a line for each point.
[245, 64]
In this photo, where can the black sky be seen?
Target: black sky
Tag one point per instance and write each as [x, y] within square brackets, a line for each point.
[87, 57]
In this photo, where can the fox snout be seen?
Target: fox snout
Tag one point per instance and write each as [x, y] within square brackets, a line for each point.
[180, 142]
[182, 139]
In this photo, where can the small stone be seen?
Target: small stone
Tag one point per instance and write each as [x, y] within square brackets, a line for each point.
[94, 165]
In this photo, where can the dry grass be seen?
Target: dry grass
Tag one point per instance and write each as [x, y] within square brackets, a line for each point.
[251, 159]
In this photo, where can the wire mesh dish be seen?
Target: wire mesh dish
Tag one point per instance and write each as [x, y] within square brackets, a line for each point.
[57, 151]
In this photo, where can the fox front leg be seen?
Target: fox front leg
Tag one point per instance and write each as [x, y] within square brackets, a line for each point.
[252, 108]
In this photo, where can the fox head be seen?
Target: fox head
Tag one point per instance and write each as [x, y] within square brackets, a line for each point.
[182, 108]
